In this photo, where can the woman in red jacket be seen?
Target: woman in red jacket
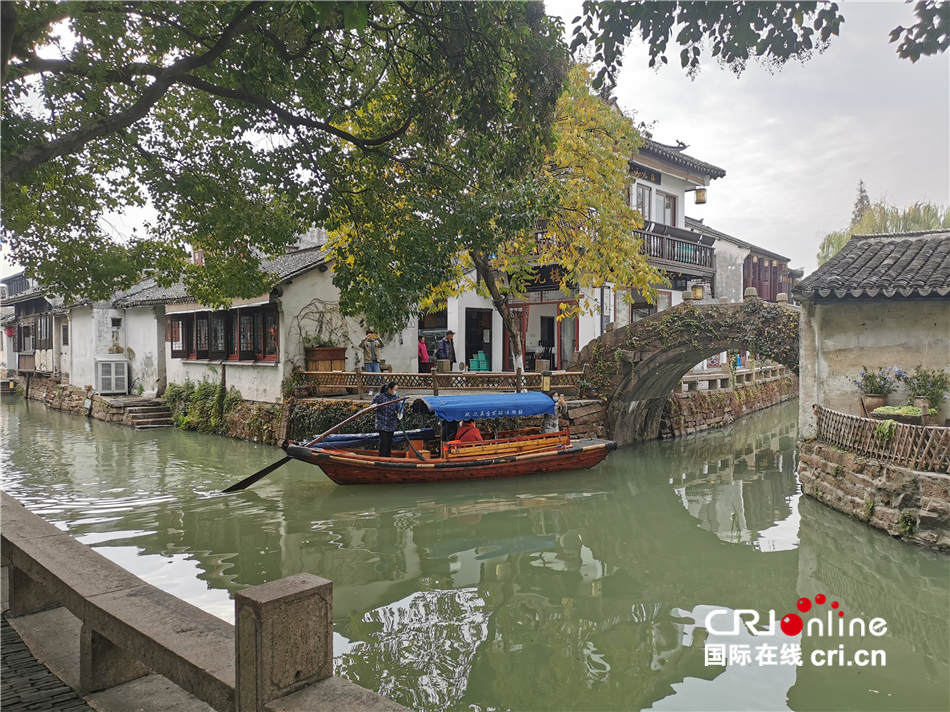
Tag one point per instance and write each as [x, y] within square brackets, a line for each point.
[425, 366]
[468, 432]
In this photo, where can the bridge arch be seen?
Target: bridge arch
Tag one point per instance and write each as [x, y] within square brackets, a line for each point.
[636, 367]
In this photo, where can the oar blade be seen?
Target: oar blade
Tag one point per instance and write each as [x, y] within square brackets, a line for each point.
[248, 481]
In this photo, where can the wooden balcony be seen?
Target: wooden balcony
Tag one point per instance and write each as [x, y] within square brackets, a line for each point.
[668, 251]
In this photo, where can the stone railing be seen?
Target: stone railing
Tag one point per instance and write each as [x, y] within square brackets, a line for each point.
[360, 381]
[279, 655]
[918, 447]
[722, 379]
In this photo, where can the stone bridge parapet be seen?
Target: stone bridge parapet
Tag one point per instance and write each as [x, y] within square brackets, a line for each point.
[636, 367]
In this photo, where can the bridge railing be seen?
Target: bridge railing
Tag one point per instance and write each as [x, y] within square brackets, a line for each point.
[280, 649]
[722, 379]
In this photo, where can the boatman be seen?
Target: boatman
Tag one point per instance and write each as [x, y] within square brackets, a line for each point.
[387, 417]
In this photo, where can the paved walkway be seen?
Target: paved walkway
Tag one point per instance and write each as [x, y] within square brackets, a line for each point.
[26, 683]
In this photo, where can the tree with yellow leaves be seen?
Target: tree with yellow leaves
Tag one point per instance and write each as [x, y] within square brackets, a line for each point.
[489, 209]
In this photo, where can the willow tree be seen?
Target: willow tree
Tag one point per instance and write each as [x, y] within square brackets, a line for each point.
[489, 213]
[881, 218]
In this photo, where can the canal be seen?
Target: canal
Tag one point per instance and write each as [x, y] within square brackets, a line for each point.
[579, 591]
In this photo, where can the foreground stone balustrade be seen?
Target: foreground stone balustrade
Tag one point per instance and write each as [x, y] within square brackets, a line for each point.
[279, 658]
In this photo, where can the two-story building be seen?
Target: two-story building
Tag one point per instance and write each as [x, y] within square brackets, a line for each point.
[662, 176]
[38, 332]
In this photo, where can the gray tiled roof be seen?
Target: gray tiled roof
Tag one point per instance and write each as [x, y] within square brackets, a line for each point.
[673, 154]
[284, 267]
[910, 264]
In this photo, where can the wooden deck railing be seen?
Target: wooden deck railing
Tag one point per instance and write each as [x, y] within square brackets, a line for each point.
[360, 380]
[669, 248]
[919, 447]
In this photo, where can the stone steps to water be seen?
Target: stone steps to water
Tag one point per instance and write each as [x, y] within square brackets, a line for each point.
[153, 415]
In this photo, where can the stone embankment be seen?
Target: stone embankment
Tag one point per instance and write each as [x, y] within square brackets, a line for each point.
[903, 502]
[695, 411]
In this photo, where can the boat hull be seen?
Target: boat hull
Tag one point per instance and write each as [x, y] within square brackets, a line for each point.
[349, 469]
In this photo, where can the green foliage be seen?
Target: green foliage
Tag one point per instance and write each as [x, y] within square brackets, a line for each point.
[869, 506]
[930, 384]
[881, 218]
[735, 32]
[202, 406]
[166, 102]
[901, 410]
[308, 419]
[885, 430]
[907, 523]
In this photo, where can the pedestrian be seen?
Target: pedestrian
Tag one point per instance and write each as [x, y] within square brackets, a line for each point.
[388, 413]
[550, 422]
[371, 345]
[468, 432]
[425, 366]
[446, 350]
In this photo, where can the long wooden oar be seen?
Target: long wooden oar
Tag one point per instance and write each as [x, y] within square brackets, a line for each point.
[248, 481]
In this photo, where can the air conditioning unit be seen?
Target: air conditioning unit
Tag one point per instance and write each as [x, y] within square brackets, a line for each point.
[112, 377]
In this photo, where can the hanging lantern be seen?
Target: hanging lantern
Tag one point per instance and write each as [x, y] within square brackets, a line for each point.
[701, 196]
[697, 292]
[10, 331]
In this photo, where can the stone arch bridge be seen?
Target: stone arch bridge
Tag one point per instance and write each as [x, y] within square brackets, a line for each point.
[636, 367]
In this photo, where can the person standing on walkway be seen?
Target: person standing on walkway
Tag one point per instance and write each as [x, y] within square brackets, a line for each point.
[371, 345]
[387, 415]
[446, 350]
[425, 366]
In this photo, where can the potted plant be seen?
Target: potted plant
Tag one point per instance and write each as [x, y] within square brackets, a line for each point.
[875, 387]
[295, 384]
[927, 389]
[323, 353]
[902, 414]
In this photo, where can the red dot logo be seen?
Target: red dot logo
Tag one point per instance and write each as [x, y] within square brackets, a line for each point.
[804, 605]
[792, 624]
[820, 598]
[834, 604]
[841, 613]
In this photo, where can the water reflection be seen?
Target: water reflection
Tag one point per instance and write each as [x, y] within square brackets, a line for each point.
[580, 591]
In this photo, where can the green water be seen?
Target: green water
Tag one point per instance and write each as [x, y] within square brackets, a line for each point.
[578, 591]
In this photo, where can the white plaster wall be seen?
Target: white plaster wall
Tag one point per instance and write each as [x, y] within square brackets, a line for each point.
[729, 260]
[144, 331]
[400, 350]
[839, 340]
[456, 322]
[82, 347]
[9, 355]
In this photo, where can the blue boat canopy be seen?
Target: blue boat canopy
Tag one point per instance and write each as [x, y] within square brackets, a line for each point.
[490, 405]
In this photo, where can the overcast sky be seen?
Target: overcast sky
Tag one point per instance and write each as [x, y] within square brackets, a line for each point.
[795, 143]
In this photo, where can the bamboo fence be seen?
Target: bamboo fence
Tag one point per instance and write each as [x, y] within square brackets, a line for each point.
[925, 448]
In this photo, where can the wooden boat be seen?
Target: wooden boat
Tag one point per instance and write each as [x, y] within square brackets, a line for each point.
[513, 454]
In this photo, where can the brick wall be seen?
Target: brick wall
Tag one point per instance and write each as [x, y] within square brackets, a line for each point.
[903, 502]
[694, 411]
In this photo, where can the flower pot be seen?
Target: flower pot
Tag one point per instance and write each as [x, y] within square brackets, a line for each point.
[905, 419]
[872, 401]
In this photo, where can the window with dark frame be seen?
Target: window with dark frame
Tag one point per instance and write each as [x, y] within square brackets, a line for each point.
[65, 334]
[245, 334]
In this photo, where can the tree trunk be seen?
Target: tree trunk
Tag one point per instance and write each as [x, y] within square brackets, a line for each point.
[484, 270]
